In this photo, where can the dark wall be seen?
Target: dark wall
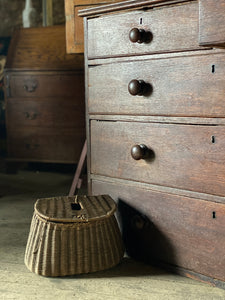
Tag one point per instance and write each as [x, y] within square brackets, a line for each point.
[11, 14]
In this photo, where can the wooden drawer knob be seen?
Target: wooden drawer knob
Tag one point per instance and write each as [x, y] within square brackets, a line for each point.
[31, 146]
[140, 152]
[137, 87]
[30, 116]
[139, 222]
[30, 85]
[139, 36]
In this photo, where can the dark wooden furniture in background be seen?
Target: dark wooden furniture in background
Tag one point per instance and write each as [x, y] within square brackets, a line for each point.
[44, 90]
[155, 122]
[74, 23]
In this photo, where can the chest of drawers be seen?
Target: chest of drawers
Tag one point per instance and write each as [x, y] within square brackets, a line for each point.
[155, 127]
[44, 88]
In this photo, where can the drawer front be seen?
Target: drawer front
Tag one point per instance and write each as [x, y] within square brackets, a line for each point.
[45, 144]
[173, 28]
[46, 85]
[179, 86]
[57, 112]
[181, 231]
[212, 23]
[182, 156]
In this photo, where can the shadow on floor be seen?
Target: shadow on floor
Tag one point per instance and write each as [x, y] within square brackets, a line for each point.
[145, 246]
[143, 240]
[127, 268]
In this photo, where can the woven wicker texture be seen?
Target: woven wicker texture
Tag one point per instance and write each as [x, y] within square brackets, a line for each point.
[75, 209]
[78, 245]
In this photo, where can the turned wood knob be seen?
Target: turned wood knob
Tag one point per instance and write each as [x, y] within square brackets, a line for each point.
[30, 88]
[140, 152]
[137, 87]
[30, 116]
[138, 222]
[31, 146]
[138, 35]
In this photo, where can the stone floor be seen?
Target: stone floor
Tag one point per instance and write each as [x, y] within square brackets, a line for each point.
[129, 280]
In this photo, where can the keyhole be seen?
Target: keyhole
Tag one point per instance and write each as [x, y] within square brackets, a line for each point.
[141, 21]
[213, 68]
[213, 139]
[214, 215]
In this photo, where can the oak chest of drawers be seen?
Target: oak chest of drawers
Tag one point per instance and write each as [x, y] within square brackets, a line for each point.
[44, 88]
[155, 126]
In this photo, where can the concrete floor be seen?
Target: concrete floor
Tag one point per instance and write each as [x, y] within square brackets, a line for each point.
[129, 280]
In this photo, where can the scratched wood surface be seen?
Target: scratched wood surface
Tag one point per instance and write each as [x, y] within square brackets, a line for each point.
[180, 86]
[74, 23]
[211, 32]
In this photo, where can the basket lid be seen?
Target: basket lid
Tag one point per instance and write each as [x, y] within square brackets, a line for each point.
[75, 208]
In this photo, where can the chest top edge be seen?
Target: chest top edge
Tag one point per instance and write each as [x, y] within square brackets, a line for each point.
[127, 5]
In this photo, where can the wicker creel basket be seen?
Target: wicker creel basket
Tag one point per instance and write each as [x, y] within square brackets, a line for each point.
[73, 235]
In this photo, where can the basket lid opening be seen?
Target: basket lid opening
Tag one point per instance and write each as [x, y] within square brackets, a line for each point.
[76, 206]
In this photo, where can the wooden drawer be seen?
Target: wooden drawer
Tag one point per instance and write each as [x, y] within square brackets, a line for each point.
[180, 231]
[49, 85]
[183, 156]
[63, 145]
[181, 86]
[174, 28]
[212, 23]
[48, 112]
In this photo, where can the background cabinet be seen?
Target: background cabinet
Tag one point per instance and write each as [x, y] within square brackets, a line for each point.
[44, 90]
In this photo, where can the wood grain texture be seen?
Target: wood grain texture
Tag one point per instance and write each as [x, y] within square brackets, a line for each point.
[105, 40]
[45, 110]
[127, 5]
[212, 23]
[56, 84]
[160, 188]
[185, 156]
[45, 144]
[44, 48]
[74, 23]
[50, 112]
[159, 119]
[177, 230]
[174, 199]
[182, 86]
[69, 25]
